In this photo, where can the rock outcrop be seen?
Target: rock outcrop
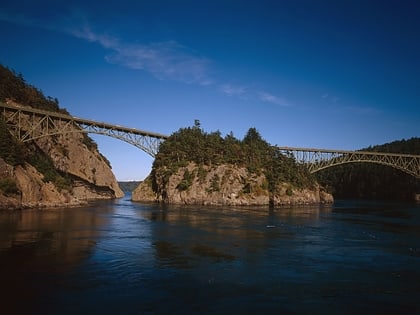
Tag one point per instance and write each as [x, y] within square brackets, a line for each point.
[87, 172]
[222, 185]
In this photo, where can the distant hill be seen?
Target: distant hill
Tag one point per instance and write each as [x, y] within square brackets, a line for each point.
[128, 186]
[374, 181]
[410, 146]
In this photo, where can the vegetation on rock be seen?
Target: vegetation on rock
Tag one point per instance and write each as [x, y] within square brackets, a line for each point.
[14, 87]
[209, 150]
[192, 144]
[56, 169]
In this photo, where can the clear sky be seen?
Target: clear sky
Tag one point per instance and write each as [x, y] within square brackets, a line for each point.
[330, 74]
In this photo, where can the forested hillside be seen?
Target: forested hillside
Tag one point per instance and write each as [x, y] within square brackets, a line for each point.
[196, 167]
[13, 87]
[253, 152]
[373, 181]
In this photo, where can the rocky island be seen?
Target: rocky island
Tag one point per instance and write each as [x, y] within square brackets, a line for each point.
[195, 167]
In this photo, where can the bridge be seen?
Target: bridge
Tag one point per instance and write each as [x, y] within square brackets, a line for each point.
[27, 123]
[319, 159]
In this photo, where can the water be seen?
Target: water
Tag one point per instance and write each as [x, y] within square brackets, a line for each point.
[119, 257]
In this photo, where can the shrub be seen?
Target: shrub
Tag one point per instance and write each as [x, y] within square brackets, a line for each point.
[186, 181]
[8, 186]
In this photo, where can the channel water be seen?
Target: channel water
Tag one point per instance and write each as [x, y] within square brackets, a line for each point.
[120, 257]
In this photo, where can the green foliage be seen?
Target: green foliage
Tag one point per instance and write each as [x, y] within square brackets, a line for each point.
[44, 165]
[8, 186]
[89, 142]
[215, 183]
[10, 150]
[202, 174]
[186, 181]
[63, 182]
[410, 146]
[192, 144]
[14, 87]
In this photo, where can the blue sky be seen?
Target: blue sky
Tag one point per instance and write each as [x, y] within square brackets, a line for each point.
[328, 74]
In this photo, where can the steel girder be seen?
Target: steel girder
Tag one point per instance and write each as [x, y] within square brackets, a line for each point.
[319, 159]
[27, 123]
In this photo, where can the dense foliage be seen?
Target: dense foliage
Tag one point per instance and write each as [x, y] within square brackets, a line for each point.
[14, 87]
[192, 144]
[10, 149]
[128, 186]
[374, 181]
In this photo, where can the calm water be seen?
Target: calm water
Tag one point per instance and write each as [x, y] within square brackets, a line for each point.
[120, 257]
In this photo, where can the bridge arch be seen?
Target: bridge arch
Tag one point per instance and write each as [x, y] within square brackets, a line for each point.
[315, 170]
[318, 159]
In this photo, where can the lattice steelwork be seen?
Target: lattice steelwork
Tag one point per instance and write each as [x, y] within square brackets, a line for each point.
[319, 159]
[27, 123]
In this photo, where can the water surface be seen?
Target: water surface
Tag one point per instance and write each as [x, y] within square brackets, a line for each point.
[119, 257]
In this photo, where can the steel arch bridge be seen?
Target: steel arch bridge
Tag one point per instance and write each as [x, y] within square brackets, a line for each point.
[27, 123]
[319, 159]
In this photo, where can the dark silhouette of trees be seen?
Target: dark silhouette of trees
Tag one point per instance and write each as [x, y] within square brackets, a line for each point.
[13, 87]
[373, 181]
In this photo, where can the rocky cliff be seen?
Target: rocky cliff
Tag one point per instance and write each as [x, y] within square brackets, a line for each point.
[58, 170]
[224, 184]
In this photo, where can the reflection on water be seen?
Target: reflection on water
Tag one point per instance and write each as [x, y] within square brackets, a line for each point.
[36, 243]
[127, 258]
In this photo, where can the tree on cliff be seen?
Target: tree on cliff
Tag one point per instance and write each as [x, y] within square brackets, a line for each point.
[192, 144]
[10, 150]
[14, 87]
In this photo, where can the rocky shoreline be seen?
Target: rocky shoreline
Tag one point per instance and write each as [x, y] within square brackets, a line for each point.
[223, 185]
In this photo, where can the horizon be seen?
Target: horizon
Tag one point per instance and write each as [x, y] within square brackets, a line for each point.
[324, 75]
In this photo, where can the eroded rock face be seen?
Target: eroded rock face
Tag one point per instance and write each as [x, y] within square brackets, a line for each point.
[90, 173]
[221, 185]
[70, 155]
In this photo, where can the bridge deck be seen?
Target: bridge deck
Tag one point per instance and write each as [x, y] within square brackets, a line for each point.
[346, 152]
[65, 117]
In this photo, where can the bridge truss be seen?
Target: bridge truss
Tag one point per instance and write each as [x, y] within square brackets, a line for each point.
[319, 159]
[27, 123]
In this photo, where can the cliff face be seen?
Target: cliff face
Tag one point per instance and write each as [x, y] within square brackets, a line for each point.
[84, 174]
[221, 185]
[92, 173]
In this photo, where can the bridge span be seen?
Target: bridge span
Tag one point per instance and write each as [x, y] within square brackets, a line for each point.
[319, 159]
[27, 123]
